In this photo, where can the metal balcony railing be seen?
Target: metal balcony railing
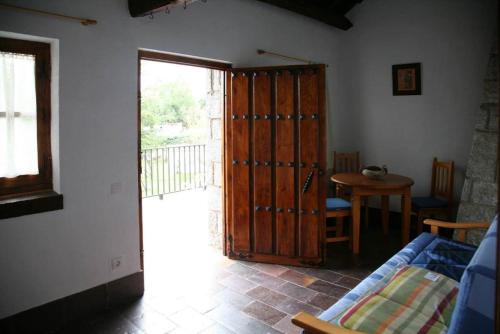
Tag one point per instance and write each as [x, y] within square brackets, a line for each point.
[172, 169]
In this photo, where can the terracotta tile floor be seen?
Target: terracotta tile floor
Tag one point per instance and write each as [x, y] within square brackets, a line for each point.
[230, 297]
[197, 290]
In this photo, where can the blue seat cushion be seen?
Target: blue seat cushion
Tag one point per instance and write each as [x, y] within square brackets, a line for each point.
[475, 307]
[428, 202]
[335, 203]
[445, 256]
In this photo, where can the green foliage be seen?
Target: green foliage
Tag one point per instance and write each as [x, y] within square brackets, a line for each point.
[171, 103]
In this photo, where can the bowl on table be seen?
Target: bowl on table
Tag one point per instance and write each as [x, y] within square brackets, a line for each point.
[374, 172]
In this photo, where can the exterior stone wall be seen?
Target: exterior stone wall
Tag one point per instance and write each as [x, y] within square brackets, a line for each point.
[215, 105]
[479, 194]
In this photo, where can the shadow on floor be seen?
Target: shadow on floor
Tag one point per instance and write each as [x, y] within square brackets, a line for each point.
[208, 293]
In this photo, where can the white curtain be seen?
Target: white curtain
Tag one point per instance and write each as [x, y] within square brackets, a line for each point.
[18, 133]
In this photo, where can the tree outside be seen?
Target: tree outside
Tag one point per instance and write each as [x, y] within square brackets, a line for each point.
[173, 105]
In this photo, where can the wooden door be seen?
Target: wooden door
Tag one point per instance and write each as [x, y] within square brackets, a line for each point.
[275, 160]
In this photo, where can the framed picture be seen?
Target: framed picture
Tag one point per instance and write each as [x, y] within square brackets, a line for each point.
[406, 79]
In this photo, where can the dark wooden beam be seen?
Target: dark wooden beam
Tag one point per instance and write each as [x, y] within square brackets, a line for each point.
[331, 13]
[319, 13]
[145, 7]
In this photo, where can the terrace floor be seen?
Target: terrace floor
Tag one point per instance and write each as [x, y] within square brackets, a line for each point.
[192, 288]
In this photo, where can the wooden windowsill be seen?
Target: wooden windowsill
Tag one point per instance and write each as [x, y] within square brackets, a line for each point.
[30, 204]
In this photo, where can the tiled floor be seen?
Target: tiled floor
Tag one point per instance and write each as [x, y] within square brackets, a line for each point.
[233, 297]
[194, 289]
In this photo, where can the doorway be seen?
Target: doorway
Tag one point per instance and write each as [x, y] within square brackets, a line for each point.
[189, 285]
[180, 103]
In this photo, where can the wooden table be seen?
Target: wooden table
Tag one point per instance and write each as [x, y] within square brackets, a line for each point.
[390, 184]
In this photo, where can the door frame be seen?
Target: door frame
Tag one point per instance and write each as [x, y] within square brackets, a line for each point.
[144, 54]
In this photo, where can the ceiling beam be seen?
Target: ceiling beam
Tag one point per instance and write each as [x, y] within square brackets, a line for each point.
[318, 13]
[145, 7]
[141, 8]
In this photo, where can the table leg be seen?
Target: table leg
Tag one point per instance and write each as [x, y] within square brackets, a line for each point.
[367, 211]
[385, 214]
[356, 212]
[406, 215]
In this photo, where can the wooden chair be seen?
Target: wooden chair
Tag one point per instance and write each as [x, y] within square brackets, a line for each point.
[347, 162]
[337, 208]
[440, 200]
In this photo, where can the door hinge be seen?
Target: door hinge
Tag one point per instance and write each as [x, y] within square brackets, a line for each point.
[230, 240]
[311, 263]
[244, 255]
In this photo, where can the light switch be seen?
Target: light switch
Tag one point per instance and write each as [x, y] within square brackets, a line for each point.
[116, 188]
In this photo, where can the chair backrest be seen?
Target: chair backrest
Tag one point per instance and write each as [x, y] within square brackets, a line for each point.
[345, 162]
[442, 179]
[475, 306]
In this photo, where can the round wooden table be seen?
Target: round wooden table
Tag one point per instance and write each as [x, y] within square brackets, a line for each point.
[390, 184]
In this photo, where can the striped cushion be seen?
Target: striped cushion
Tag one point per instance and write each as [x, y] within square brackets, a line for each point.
[415, 300]
[381, 275]
[474, 312]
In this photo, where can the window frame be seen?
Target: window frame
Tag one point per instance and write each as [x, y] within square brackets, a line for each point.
[29, 184]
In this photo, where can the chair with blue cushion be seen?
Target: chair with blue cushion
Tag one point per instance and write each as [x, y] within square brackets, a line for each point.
[347, 162]
[440, 200]
[337, 208]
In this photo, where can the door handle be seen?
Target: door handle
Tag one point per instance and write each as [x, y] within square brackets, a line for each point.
[308, 181]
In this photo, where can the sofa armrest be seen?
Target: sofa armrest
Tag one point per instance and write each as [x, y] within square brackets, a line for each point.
[462, 227]
[313, 325]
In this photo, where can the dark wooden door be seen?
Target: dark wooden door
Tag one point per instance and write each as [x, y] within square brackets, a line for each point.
[275, 160]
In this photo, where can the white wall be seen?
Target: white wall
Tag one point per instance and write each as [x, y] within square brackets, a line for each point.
[451, 38]
[51, 255]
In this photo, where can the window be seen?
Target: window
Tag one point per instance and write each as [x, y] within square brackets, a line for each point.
[25, 155]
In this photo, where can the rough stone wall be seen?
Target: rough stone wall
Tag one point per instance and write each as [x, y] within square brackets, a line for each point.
[215, 104]
[479, 194]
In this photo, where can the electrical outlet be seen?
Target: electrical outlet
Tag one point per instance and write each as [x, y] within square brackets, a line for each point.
[116, 188]
[116, 263]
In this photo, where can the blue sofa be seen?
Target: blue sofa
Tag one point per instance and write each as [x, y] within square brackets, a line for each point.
[474, 267]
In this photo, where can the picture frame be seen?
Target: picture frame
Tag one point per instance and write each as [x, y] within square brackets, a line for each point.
[406, 79]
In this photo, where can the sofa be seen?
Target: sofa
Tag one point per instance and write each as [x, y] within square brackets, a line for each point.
[473, 267]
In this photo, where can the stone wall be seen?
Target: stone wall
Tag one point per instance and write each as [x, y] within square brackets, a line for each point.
[215, 105]
[479, 194]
